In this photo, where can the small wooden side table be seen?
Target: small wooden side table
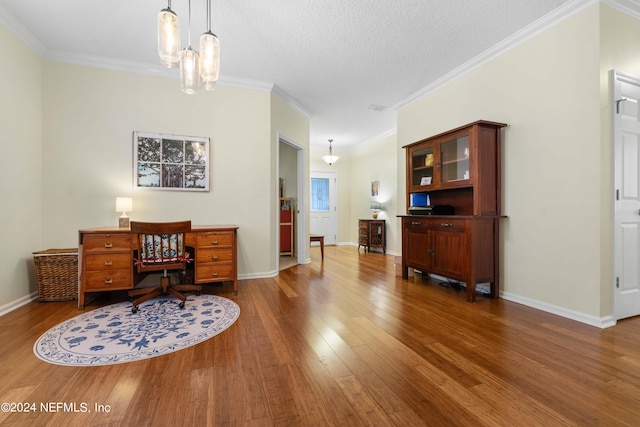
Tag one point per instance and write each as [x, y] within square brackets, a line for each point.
[318, 238]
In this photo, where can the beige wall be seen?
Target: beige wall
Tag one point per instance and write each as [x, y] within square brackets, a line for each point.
[547, 90]
[20, 168]
[376, 161]
[67, 141]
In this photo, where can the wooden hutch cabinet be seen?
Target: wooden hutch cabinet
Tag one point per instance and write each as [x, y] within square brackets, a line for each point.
[456, 236]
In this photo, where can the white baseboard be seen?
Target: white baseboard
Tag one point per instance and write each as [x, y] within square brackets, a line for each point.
[599, 322]
[18, 303]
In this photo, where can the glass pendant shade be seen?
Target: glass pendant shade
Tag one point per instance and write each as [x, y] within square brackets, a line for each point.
[168, 38]
[209, 59]
[189, 71]
[330, 158]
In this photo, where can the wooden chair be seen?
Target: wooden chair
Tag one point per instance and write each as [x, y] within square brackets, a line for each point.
[161, 247]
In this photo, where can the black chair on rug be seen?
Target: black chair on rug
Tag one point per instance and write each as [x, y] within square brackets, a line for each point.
[161, 247]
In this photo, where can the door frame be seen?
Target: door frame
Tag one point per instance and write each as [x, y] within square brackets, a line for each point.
[614, 77]
[302, 206]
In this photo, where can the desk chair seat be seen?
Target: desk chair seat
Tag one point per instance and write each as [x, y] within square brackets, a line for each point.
[161, 247]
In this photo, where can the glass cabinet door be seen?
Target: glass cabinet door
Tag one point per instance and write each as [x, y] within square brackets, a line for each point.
[422, 167]
[454, 160]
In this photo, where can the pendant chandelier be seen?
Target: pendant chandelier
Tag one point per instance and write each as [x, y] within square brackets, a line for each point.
[197, 70]
[330, 158]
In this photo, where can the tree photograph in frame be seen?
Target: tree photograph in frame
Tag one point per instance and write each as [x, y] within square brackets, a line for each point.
[170, 162]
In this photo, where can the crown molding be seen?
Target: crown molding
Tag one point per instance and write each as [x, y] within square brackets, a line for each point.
[277, 90]
[21, 32]
[541, 25]
[630, 7]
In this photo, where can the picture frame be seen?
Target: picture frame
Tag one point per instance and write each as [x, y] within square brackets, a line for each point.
[170, 162]
[425, 180]
[375, 188]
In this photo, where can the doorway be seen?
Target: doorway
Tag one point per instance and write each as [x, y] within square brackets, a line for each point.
[292, 185]
[324, 212]
[626, 170]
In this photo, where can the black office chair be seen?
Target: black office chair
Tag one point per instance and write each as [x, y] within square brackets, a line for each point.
[161, 247]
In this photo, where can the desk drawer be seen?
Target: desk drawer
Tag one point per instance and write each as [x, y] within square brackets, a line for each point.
[102, 261]
[215, 238]
[212, 255]
[106, 279]
[107, 243]
[214, 272]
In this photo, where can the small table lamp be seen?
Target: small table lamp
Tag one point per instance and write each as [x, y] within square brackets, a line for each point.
[124, 205]
[375, 207]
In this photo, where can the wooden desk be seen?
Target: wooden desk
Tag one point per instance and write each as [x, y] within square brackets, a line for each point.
[318, 238]
[105, 258]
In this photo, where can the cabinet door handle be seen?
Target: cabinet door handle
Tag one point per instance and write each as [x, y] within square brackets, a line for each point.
[108, 281]
[446, 224]
[416, 223]
[108, 262]
[108, 245]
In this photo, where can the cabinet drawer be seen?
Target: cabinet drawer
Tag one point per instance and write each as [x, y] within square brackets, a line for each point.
[107, 242]
[209, 255]
[214, 272]
[102, 261]
[362, 224]
[221, 238]
[445, 223]
[108, 279]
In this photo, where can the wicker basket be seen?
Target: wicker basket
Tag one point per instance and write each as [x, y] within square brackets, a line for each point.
[57, 274]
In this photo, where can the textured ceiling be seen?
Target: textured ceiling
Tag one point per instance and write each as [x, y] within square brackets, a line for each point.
[333, 58]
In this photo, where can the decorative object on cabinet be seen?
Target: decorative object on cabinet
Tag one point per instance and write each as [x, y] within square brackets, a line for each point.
[287, 221]
[161, 247]
[124, 205]
[88, 338]
[105, 257]
[375, 207]
[463, 169]
[170, 162]
[330, 158]
[371, 234]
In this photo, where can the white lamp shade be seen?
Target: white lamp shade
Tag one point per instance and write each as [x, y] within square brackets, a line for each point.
[168, 38]
[124, 204]
[330, 158]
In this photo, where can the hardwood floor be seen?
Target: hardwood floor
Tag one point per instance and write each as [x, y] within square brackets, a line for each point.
[344, 342]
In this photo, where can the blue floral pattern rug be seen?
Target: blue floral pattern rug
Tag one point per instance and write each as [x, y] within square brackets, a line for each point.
[113, 334]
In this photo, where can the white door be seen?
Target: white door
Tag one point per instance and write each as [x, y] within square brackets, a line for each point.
[324, 215]
[626, 239]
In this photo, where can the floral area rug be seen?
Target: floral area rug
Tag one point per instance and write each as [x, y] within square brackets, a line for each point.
[113, 334]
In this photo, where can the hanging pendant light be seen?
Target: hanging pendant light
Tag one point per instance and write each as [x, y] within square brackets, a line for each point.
[189, 66]
[168, 37]
[209, 55]
[330, 158]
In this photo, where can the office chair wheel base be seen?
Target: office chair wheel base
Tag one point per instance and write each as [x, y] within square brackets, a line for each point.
[134, 310]
[181, 305]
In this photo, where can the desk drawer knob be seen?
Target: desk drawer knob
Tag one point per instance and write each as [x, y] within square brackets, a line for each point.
[214, 242]
[108, 281]
[214, 274]
[416, 223]
[108, 262]
[446, 224]
[108, 245]
[214, 257]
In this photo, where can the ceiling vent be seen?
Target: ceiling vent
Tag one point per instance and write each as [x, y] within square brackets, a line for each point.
[374, 107]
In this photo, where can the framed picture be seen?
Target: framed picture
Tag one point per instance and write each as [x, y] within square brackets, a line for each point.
[426, 180]
[170, 162]
[375, 187]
